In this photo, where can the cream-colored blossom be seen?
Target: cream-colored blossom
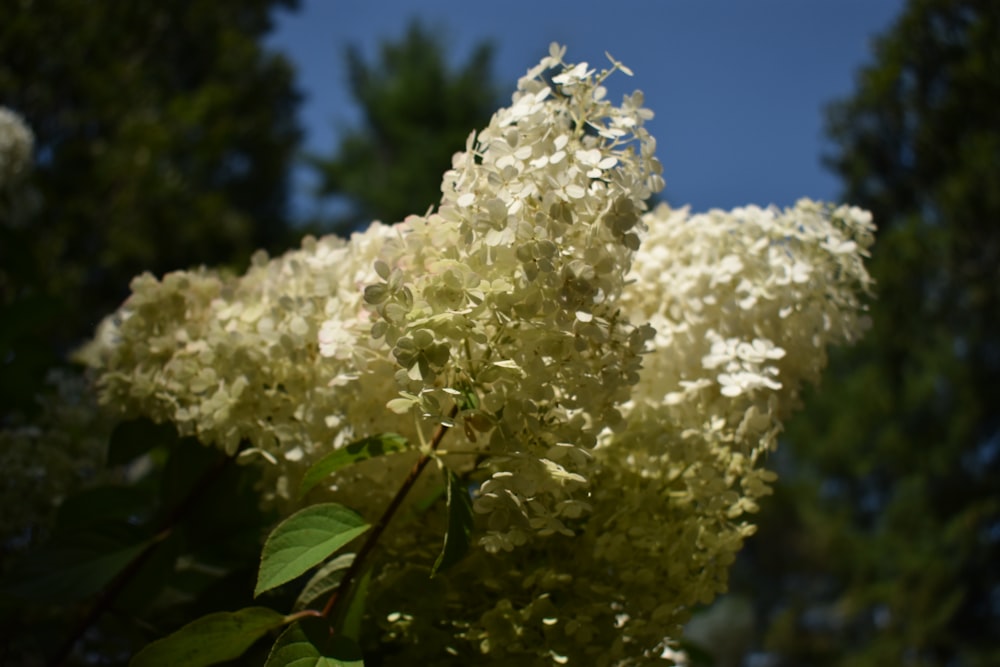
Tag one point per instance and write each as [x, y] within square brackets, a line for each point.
[511, 286]
[671, 493]
[16, 142]
[278, 361]
[18, 201]
[613, 377]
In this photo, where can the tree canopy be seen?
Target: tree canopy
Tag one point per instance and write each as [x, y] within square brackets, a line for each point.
[416, 113]
[882, 543]
[164, 135]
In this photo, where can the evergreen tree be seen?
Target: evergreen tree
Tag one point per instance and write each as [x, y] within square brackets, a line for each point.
[164, 133]
[416, 114]
[882, 545]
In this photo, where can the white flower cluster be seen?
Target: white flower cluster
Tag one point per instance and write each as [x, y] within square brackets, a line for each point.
[747, 300]
[511, 288]
[58, 453]
[278, 361]
[18, 201]
[614, 377]
[744, 304]
[16, 142]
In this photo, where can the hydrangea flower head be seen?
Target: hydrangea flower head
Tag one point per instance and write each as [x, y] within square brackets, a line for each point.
[612, 377]
[511, 288]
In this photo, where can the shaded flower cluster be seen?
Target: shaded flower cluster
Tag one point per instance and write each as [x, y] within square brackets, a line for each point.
[16, 144]
[276, 365]
[59, 452]
[18, 201]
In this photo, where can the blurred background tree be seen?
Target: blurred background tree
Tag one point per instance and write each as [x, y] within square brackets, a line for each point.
[164, 136]
[416, 114]
[882, 545]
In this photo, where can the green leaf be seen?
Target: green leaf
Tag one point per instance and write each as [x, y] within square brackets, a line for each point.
[325, 580]
[366, 448]
[423, 504]
[210, 639]
[350, 624]
[456, 540]
[309, 643]
[469, 399]
[304, 540]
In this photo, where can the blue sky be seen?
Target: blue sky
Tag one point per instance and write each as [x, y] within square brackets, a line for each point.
[738, 86]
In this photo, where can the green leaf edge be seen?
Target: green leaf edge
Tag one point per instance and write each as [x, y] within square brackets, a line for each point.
[460, 521]
[287, 553]
[323, 581]
[359, 450]
[296, 647]
[350, 623]
[210, 639]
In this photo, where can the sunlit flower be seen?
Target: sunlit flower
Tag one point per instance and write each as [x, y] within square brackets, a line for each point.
[612, 377]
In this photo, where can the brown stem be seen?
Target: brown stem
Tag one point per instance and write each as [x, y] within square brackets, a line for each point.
[122, 579]
[340, 595]
[305, 613]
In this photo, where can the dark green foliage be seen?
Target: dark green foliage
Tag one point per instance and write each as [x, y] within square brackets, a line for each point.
[416, 115]
[460, 521]
[177, 543]
[210, 640]
[164, 134]
[359, 450]
[309, 642]
[882, 545]
[164, 138]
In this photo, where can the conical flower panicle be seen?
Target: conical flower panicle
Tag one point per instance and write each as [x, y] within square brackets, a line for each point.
[511, 289]
[612, 377]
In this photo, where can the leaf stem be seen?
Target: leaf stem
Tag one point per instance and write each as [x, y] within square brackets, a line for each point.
[340, 596]
[305, 613]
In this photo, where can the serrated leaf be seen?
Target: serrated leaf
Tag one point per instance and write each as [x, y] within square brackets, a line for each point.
[325, 580]
[210, 639]
[359, 450]
[456, 540]
[305, 540]
[309, 643]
